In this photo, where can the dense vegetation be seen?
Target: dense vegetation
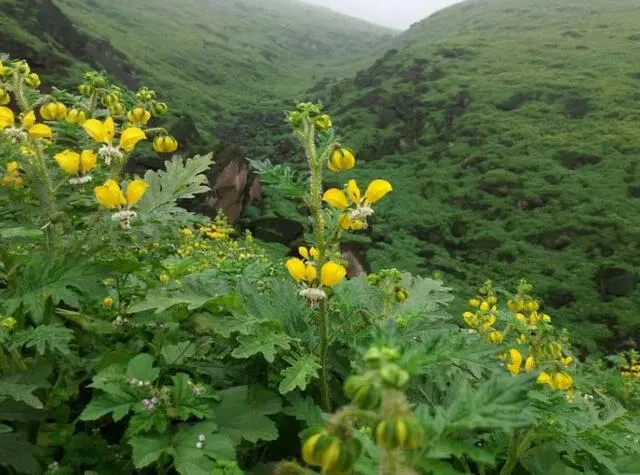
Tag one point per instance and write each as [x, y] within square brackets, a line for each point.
[137, 337]
[510, 129]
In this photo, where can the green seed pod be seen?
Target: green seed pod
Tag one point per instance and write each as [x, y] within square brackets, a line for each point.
[399, 432]
[22, 67]
[116, 109]
[85, 89]
[110, 99]
[394, 376]
[323, 123]
[295, 119]
[362, 392]
[401, 294]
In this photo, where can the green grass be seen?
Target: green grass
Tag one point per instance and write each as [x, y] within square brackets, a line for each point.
[535, 177]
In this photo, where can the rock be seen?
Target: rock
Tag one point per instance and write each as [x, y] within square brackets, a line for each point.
[616, 282]
[559, 298]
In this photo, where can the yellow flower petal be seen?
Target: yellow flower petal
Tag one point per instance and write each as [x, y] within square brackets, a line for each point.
[562, 381]
[332, 273]
[28, 120]
[304, 252]
[41, 131]
[6, 117]
[377, 190]
[353, 192]
[314, 253]
[135, 191]
[336, 198]
[88, 161]
[69, 161]
[349, 224]
[310, 273]
[341, 159]
[530, 363]
[109, 128]
[544, 378]
[110, 195]
[130, 137]
[297, 269]
[96, 130]
[12, 167]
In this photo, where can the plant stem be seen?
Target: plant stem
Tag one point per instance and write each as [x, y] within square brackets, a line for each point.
[315, 205]
[516, 449]
[47, 198]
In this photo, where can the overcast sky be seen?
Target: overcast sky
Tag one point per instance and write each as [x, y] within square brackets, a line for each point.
[395, 13]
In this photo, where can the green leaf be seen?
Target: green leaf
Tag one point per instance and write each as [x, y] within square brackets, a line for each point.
[148, 449]
[196, 291]
[61, 279]
[103, 404]
[446, 448]
[178, 353]
[302, 370]
[20, 392]
[268, 342]
[186, 402]
[545, 460]
[19, 454]
[12, 410]
[54, 337]
[242, 413]
[304, 409]
[226, 325]
[190, 460]
[147, 421]
[181, 179]
[5, 429]
[141, 367]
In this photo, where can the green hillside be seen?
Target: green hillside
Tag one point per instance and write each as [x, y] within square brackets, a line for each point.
[511, 132]
[212, 57]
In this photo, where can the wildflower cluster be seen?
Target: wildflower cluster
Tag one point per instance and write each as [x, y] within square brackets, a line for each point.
[305, 270]
[533, 343]
[630, 368]
[12, 175]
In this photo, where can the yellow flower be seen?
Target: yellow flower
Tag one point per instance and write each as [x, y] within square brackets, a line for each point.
[165, 144]
[12, 177]
[495, 337]
[100, 131]
[332, 274]
[349, 224]
[566, 361]
[40, 131]
[562, 381]
[475, 303]
[139, 116]
[104, 132]
[110, 194]
[13, 167]
[336, 198]
[357, 207]
[484, 306]
[76, 116]
[6, 117]
[341, 159]
[516, 361]
[28, 120]
[73, 162]
[53, 111]
[164, 278]
[300, 271]
[107, 302]
[308, 254]
[130, 137]
[28, 123]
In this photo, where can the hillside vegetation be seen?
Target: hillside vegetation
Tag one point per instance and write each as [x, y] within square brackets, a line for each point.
[510, 130]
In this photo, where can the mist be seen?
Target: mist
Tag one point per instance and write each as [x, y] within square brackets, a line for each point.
[398, 14]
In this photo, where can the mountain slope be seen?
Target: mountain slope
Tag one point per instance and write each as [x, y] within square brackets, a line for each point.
[510, 129]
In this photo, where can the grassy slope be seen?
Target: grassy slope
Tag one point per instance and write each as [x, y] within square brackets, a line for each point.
[534, 174]
[216, 57]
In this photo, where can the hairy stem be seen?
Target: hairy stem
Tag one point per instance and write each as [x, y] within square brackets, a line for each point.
[47, 198]
[516, 449]
[315, 205]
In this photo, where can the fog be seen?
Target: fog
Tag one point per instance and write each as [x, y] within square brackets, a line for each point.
[398, 14]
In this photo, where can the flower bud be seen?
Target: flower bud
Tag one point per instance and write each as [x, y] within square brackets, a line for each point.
[32, 80]
[116, 109]
[159, 108]
[394, 376]
[2, 69]
[323, 123]
[164, 278]
[363, 393]
[295, 119]
[53, 111]
[373, 357]
[76, 116]
[341, 159]
[110, 99]
[85, 90]
[165, 144]
[139, 115]
[107, 302]
[4, 97]
[22, 67]
[399, 432]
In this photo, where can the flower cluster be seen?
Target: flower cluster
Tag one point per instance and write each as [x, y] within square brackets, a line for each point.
[534, 344]
[111, 196]
[78, 165]
[305, 270]
[28, 128]
[631, 367]
[12, 176]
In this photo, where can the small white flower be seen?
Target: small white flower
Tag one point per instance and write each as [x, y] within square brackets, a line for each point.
[124, 218]
[109, 153]
[202, 437]
[16, 135]
[199, 445]
[81, 180]
[313, 294]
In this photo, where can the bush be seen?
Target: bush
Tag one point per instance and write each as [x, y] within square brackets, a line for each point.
[140, 338]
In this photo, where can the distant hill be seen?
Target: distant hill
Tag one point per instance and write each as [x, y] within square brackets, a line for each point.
[511, 132]
[210, 57]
